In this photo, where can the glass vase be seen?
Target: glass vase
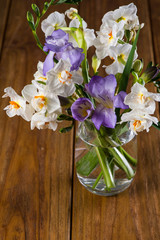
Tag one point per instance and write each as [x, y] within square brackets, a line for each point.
[106, 159]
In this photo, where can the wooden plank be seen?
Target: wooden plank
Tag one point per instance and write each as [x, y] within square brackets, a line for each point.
[133, 214]
[4, 9]
[35, 166]
[154, 7]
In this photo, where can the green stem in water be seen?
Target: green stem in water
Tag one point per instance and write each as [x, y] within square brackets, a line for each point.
[107, 174]
[122, 162]
[130, 159]
[97, 180]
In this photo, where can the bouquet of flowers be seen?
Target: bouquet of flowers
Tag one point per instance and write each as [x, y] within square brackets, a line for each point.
[64, 90]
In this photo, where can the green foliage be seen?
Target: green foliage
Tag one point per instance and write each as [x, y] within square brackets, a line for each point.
[36, 9]
[87, 163]
[150, 74]
[128, 66]
[122, 162]
[30, 20]
[64, 117]
[156, 126]
[66, 129]
[69, 1]
[127, 35]
[138, 66]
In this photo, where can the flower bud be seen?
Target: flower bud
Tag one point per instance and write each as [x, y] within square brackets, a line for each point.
[71, 13]
[36, 9]
[138, 66]
[95, 63]
[150, 73]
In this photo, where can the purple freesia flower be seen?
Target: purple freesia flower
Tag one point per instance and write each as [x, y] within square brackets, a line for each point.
[58, 46]
[81, 109]
[103, 90]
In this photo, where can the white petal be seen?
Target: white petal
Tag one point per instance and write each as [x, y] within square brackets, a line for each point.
[9, 92]
[75, 23]
[56, 18]
[89, 37]
[77, 77]
[53, 103]
[29, 91]
[49, 30]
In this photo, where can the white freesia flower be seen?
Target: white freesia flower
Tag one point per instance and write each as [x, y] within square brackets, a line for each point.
[119, 54]
[125, 17]
[142, 99]
[70, 12]
[61, 81]
[89, 34]
[107, 36]
[139, 120]
[42, 100]
[53, 21]
[17, 105]
[39, 79]
[43, 121]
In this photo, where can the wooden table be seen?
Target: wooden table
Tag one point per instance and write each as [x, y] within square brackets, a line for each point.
[40, 196]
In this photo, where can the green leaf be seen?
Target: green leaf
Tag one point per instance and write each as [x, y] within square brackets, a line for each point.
[87, 163]
[121, 41]
[150, 64]
[41, 82]
[67, 129]
[128, 66]
[156, 126]
[69, 1]
[64, 117]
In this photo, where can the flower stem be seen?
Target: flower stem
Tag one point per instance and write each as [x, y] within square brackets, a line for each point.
[122, 162]
[130, 159]
[37, 40]
[97, 180]
[107, 174]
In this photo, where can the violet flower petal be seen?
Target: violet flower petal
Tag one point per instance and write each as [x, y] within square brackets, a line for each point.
[104, 116]
[48, 63]
[100, 87]
[59, 34]
[74, 55]
[119, 100]
[54, 48]
[81, 109]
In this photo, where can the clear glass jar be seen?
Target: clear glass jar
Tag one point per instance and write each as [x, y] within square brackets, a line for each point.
[105, 159]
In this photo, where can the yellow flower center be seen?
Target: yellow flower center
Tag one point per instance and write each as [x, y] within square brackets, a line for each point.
[141, 98]
[42, 101]
[43, 78]
[121, 59]
[120, 19]
[64, 77]
[14, 104]
[136, 124]
[110, 36]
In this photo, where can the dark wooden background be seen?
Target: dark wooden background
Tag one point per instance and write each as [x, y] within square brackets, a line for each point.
[40, 196]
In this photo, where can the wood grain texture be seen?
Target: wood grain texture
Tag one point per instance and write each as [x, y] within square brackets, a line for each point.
[135, 213]
[4, 11]
[35, 166]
